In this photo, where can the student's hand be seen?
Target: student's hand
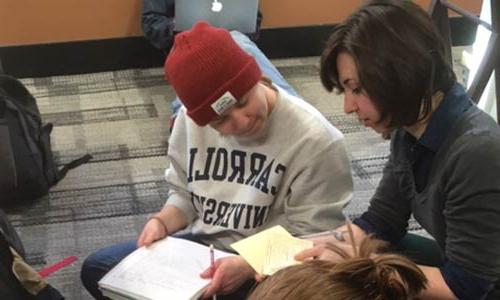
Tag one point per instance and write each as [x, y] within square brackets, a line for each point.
[153, 230]
[230, 274]
[343, 237]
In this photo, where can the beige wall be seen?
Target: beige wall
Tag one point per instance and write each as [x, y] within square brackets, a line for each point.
[25, 22]
[285, 13]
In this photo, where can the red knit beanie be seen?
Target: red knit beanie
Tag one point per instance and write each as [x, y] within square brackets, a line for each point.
[209, 71]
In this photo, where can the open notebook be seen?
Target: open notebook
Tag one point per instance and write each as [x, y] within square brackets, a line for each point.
[168, 269]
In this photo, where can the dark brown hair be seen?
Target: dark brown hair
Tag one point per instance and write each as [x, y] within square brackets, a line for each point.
[399, 55]
[384, 277]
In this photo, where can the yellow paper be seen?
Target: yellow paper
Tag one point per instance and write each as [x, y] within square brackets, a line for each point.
[271, 250]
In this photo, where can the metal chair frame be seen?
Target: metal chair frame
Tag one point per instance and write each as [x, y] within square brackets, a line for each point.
[438, 9]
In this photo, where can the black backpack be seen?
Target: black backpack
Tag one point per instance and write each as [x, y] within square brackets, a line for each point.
[17, 279]
[27, 168]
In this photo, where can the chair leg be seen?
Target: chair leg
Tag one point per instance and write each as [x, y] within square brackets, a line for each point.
[1, 67]
[485, 69]
[439, 14]
[495, 23]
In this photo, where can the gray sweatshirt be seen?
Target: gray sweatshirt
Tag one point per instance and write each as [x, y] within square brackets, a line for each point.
[298, 175]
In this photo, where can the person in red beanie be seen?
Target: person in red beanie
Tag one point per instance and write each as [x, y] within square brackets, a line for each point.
[245, 155]
[158, 26]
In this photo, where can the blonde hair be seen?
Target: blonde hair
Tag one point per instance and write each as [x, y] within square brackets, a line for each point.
[382, 277]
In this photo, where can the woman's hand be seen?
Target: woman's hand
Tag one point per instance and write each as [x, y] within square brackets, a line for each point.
[342, 237]
[153, 230]
[228, 275]
[334, 247]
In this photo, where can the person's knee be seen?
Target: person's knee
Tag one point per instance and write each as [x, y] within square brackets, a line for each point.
[90, 275]
[95, 266]
[92, 266]
[101, 261]
[238, 36]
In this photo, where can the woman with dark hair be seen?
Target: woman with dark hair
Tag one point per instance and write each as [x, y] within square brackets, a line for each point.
[388, 60]
[362, 277]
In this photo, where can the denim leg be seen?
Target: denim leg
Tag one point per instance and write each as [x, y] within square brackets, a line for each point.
[175, 106]
[268, 69]
[101, 262]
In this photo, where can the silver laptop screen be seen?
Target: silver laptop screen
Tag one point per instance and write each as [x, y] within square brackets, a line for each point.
[238, 15]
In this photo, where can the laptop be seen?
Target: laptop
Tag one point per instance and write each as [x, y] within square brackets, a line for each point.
[238, 15]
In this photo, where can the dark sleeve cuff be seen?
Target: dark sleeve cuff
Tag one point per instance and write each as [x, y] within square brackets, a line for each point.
[372, 224]
[463, 284]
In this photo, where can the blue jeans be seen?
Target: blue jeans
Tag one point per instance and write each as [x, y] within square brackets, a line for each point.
[267, 68]
[103, 260]
[100, 262]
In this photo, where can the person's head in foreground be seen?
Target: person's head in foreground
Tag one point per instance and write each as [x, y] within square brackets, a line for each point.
[219, 84]
[389, 61]
[363, 277]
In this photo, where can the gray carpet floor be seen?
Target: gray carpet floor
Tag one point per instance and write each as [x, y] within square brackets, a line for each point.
[121, 118]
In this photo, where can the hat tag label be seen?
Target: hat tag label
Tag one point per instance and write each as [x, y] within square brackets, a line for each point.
[224, 103]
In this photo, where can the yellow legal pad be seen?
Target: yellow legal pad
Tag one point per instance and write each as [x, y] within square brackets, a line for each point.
[271, 250]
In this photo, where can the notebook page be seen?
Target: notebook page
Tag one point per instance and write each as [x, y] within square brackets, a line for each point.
[169, 269]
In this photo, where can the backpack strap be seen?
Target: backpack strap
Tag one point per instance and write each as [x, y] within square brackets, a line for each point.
[23, 120]
[8, 176]
[51, 172]
[10, 234]
[73, 164]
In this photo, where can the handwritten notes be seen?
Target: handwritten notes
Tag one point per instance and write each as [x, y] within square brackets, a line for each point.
[271, 249]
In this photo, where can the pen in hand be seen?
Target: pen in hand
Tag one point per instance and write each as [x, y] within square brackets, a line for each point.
[351, 236]
[212, 265]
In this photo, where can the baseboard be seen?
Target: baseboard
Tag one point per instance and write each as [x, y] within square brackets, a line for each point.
[79, 57]
[135, 52]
